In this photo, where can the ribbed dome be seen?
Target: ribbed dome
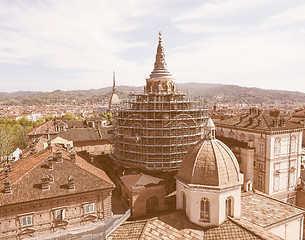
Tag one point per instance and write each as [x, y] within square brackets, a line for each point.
[210, 163]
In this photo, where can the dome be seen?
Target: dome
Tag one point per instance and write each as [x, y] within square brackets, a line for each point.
[210, 163]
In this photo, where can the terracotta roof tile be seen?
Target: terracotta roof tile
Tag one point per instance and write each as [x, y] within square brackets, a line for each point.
[80, 134]
[26, 176]
[176, 226]
[263, 210]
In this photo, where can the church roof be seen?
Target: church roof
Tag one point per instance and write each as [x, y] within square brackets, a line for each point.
[176, 226]
[209, 163]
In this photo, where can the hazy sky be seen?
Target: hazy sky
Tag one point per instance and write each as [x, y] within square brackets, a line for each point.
[76, 44]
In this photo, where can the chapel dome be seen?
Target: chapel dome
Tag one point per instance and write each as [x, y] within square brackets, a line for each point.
[210, 163]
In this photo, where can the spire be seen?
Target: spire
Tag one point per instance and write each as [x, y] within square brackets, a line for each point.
[160, 67]
[113, 85]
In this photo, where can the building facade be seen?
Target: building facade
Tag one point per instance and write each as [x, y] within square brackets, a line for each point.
[51, 191]
[268, 150]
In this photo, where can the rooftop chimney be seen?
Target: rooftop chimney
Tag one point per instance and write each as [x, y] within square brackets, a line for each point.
[50, 162]
[45, 182]
[9, 167]
[72, 156]
[59, 156]
[71, 185]
[6, 172]
[7, 187]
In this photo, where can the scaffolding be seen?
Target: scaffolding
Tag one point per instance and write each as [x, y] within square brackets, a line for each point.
[155, 131]
[158, 126]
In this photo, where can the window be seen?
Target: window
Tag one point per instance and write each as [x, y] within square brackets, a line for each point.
[262, 147]
[293, 145]
[229, 207]
[26, 221]
[205, 210]
[276, 184]
[59, 214]
[276, 166]
[260, 181]
[261, 166]
[152, 205]
[183, 201]
[89, 208]
[292, 179]
[277, 150]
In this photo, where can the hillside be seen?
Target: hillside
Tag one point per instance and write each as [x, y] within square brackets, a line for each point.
[211, 92]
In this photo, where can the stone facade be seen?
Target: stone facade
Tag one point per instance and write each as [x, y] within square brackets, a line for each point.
[271, 158]
[43, 216]
[52, 190]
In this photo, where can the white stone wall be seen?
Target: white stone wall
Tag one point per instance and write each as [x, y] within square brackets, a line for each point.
[290, 162]
[290, 230]
[217, 202]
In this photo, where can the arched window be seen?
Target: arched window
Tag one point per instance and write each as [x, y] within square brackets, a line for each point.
[205, 210]
[229, 207]
[152, 205]
[183, 201]
[277, 148]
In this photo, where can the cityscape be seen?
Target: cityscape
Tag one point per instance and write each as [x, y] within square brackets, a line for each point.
[159, 159]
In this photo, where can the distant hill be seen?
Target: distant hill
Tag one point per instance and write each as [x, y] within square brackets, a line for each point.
[211, 92]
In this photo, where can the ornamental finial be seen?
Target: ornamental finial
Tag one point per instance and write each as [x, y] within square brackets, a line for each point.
[160, 35]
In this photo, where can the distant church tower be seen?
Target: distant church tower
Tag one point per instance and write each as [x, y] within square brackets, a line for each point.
[114, 99]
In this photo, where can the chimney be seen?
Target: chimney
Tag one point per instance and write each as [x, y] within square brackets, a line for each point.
[9, 167]
[45, 182]
[72, 156]
[50, 162]
[33, 150]
[51, 178]
[7, 187]
[6, 172]
[71, 185]
[59, 156]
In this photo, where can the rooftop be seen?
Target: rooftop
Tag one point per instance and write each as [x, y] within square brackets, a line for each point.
[139, 180]
[257, 120]
[264, 210]
[26, 174]
[175, 225]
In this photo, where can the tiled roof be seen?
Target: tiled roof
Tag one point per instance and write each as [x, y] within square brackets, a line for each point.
[211, 163]
[76, 124]
[257, 121]
[80, 134]
[47, 127]
[139, 180]
[263, 210]
[175, 225]
[26, 174]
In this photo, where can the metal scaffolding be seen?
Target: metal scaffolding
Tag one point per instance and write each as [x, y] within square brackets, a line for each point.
[156, 130]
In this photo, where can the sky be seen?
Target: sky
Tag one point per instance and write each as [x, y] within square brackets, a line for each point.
[76, 44]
